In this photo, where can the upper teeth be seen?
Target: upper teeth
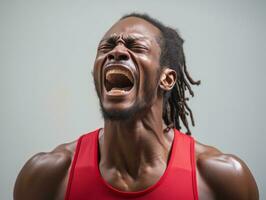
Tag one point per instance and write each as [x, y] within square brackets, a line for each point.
[120, 71]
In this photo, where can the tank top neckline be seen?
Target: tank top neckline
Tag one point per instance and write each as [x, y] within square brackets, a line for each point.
[141, 192]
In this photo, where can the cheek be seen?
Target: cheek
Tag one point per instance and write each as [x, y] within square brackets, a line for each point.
[97, 71]
[149, 77]
[150, 70]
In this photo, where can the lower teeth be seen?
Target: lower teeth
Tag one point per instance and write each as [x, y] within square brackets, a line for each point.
[120, 89]
[117, 90]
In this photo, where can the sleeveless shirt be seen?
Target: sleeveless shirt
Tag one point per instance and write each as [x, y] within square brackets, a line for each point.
[177, 183]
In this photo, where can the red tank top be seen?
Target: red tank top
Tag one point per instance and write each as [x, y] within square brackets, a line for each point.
[177, 183]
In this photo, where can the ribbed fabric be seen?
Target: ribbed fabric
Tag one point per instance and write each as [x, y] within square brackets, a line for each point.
[177, 183]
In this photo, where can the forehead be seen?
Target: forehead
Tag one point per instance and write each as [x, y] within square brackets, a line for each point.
[134, 26]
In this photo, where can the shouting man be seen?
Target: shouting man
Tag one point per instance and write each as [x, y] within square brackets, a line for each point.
[141, 80]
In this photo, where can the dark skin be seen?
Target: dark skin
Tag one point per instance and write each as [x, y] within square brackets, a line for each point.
[140, 145]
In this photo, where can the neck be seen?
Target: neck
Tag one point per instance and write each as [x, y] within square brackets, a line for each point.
[131, 146]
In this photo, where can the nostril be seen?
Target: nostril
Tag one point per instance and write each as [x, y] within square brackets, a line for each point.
[117, 55]
[110, 57]
[123, 57]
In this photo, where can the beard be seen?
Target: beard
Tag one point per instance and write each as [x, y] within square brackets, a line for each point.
[125, 114]
[139, 108]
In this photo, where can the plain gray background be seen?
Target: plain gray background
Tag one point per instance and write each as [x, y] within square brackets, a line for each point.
[47, 50]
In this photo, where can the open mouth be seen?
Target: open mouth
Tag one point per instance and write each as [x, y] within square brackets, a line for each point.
[118, 79]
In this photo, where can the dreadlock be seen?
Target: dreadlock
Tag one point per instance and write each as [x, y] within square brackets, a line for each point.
[175, 107]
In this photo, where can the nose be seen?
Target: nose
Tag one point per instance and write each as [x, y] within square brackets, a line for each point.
[119, 53]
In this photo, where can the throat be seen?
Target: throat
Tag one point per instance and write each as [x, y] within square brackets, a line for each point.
[136, 163]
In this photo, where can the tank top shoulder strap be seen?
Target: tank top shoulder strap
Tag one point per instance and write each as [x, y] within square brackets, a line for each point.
[87, 147]
[184, 157]
[184, 150]
[83, 155]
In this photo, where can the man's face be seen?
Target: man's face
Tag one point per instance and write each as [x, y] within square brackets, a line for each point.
[127, 68]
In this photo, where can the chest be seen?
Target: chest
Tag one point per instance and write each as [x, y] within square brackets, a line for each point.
[204, 192]
[180, 180]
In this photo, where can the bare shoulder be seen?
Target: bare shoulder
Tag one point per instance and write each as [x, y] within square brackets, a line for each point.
[44, 173]
[227, 175]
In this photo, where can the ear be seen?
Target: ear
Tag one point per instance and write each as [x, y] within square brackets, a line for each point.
[167, 79]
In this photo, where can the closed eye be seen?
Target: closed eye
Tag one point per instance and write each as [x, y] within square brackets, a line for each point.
[138, 48]
[105, 48]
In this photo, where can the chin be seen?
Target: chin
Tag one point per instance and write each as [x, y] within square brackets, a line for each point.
[121, 114]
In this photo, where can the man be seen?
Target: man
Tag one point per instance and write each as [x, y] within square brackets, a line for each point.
[140, 77]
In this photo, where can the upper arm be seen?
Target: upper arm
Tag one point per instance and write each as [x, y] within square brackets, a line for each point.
[41, 176]
[227, 176]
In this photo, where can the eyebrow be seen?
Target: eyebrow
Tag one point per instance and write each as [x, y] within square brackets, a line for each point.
[129, 38]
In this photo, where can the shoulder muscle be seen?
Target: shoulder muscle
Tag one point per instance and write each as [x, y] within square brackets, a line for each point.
[42, 174]
[227, 175]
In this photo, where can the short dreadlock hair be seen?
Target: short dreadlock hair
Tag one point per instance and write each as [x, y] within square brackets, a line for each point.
[175, 108]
